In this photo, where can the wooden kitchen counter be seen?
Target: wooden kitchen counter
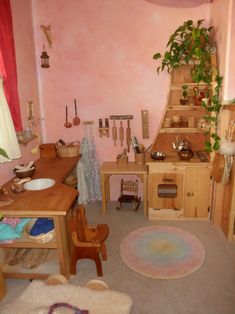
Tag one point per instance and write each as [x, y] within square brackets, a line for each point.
[57, 199]
[54, 202]
[173, 159]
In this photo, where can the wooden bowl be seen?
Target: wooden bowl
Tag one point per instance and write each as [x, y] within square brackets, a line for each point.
[24, 174]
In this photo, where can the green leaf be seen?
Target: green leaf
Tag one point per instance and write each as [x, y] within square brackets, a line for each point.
[216, 146]
[157, 56]
[208, 146]
[196, 33]
[215, 136]
[3, 153]
[167, 55]
[199, 22]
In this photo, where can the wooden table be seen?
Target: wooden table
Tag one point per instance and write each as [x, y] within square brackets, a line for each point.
[131, 168]
[54, 202]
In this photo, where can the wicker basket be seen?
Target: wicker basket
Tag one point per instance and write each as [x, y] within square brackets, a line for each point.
[41, 238]
[69, 150]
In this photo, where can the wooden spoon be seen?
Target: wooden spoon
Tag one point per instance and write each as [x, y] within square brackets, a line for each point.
[76, 120]
[67, 123]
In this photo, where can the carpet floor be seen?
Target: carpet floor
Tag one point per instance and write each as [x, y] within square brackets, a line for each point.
[209, 290]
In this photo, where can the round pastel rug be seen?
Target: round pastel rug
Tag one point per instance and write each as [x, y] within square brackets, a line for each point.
[162, 252]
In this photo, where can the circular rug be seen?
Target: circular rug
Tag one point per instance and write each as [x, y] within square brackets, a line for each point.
[162, 252]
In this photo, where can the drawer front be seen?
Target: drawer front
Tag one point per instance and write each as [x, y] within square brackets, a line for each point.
[165, 214]
[155, 169]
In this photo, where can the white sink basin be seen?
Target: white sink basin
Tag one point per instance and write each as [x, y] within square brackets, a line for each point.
[39, 184]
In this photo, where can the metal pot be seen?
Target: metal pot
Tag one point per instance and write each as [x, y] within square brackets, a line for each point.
[181, 144]
[185, 154]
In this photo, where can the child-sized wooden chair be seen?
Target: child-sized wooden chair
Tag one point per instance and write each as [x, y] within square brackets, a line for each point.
[87, 242]
[129, 194]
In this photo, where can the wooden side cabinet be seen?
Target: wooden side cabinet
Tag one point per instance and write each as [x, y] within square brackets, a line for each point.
[197, 192]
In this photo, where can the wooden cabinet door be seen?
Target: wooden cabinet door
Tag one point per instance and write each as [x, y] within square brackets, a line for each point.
[197, 192]
[157, 202]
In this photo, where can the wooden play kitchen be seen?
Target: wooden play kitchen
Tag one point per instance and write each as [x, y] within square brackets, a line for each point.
[54, 202]
[180, 185]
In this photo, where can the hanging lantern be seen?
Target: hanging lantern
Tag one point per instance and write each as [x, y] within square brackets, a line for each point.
[44, 59]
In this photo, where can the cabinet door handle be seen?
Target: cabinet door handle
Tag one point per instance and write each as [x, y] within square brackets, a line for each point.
[188, 194]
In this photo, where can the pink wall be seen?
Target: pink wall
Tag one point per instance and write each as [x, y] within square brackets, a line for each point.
[231, 62]
[221, 22]
[102, 56]
[27, 78]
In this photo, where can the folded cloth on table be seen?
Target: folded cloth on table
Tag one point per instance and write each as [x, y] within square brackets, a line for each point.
[7, 232]
[11, 221]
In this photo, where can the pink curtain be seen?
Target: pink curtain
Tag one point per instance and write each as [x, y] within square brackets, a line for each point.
[8, 63]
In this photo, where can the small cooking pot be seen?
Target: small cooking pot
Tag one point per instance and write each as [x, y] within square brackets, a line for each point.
[158, 155]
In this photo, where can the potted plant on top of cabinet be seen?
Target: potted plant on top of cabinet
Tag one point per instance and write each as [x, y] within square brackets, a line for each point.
[184, 98]
[192, 44]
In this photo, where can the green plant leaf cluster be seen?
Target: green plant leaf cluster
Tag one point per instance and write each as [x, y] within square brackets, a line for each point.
[189, 43]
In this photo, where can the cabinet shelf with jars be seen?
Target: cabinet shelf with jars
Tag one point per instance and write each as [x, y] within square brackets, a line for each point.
[184, 113]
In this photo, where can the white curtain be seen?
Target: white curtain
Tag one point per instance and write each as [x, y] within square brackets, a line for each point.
[8, 139]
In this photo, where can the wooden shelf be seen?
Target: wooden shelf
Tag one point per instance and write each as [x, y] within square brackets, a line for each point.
[180, 130]
[23, 242]
[184, 108]
[179, 86]
[229, 106]
[50, 266]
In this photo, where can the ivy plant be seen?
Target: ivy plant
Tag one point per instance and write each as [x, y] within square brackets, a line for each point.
[212, 119]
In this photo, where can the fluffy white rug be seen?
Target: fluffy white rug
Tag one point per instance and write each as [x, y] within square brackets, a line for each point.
[38, 296]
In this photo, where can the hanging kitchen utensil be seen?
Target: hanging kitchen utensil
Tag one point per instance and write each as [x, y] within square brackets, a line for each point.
[128, 136]
[121, 133]
[114, 133]
[67, 123]
[76, 120]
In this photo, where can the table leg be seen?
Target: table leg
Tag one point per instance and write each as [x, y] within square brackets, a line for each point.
[3, 287]
[145, 185]
[62, 245]
[103, 193]
[144, 180]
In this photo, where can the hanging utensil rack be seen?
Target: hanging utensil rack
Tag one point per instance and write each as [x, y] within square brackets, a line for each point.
[121, 129]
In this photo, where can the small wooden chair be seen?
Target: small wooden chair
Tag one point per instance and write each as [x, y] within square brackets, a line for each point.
[88, 242]
[132, 197]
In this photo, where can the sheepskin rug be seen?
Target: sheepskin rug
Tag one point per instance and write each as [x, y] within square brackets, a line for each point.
[38, 296]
